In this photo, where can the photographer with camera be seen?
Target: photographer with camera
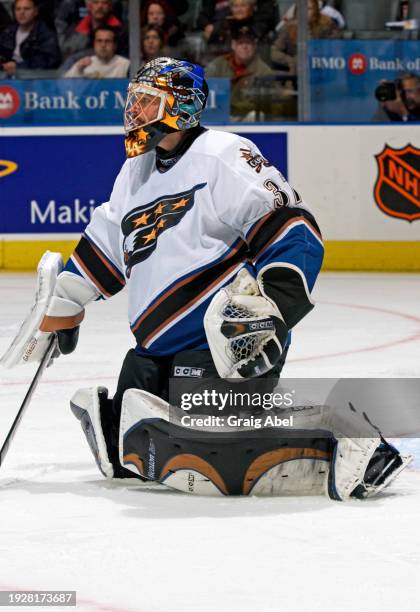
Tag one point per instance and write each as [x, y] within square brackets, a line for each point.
[399, 100]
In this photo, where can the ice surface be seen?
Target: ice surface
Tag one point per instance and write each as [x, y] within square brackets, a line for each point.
[147, 549]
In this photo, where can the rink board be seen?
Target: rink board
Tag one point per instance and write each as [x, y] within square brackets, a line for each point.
[362, 182]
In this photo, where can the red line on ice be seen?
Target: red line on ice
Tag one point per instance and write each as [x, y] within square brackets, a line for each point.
[411, 338]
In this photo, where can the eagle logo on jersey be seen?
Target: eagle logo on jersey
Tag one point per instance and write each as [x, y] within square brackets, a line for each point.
[143, 225]
[255, 160]
[397, 188]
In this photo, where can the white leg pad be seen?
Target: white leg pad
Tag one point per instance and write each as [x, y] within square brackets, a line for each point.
[138, 405]
[297, 477]
[85, 405]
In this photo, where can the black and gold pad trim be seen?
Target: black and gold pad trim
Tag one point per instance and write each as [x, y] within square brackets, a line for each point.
[233, 462]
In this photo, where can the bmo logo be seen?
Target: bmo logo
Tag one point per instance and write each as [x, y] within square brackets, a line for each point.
[331, 62]
[9, 101]
[357, 63]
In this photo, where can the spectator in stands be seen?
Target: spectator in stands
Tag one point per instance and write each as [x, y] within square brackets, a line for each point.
[82, 35]
[400, 100]
[68, 14]
[28, 43]
[104, 63]
[243, 67]
[284, 48]
[160, 13]
[334, 14]
[219, 34]
[242, 10]
[152, 43]
[264, 15]
[212, 11]
[325, 9]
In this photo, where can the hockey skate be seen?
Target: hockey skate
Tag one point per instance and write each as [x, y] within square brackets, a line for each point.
[383, 468]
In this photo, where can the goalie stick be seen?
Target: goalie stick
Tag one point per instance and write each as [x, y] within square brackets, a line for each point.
[52, 345]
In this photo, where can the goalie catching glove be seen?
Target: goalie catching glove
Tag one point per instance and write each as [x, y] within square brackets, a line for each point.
[245, 329]
[58, 308]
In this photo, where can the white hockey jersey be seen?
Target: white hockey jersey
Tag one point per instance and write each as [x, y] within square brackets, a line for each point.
[176, 237]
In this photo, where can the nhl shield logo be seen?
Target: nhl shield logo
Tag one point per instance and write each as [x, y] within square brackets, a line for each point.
[397, 188]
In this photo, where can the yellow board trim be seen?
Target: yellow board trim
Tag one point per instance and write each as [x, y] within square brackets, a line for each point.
[25, 254]
[363, 255]
[372, 256]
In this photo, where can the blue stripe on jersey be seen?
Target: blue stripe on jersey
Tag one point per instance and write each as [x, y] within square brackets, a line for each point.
[298, 247]
[187, 275]
[187, 334]
[70, 267]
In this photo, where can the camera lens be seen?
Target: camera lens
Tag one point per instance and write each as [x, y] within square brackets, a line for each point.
[386, 91]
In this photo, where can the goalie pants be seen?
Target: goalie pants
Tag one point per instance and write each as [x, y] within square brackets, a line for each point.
[153, 374]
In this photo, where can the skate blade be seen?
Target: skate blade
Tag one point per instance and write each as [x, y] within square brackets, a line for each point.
[372, 491]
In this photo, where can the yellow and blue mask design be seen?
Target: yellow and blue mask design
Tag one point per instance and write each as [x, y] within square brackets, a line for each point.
[167, 95]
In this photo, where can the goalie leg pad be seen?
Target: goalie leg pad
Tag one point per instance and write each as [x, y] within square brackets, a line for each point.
[240, 462]
[85, 405]
[331, 451]
[363, 463]
[355, 441]
[93, 409]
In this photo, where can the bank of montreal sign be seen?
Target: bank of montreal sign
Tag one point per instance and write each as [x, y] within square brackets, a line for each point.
[359, 63]
[86, 102]
[345, 73]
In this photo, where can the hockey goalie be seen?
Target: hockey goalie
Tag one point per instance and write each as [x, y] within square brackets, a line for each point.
[219, 255]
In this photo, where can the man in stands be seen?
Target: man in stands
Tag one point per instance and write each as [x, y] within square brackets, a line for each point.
[104, 63]
[27, 43]
[99, 14]
[243, 66]
[264, 15]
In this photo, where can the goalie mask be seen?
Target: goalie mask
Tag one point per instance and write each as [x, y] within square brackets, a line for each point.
[166, 96]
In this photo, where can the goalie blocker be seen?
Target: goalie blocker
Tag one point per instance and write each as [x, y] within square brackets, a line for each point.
[58, 308]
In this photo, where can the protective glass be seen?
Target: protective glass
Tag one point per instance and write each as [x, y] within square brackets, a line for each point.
[144, 105]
